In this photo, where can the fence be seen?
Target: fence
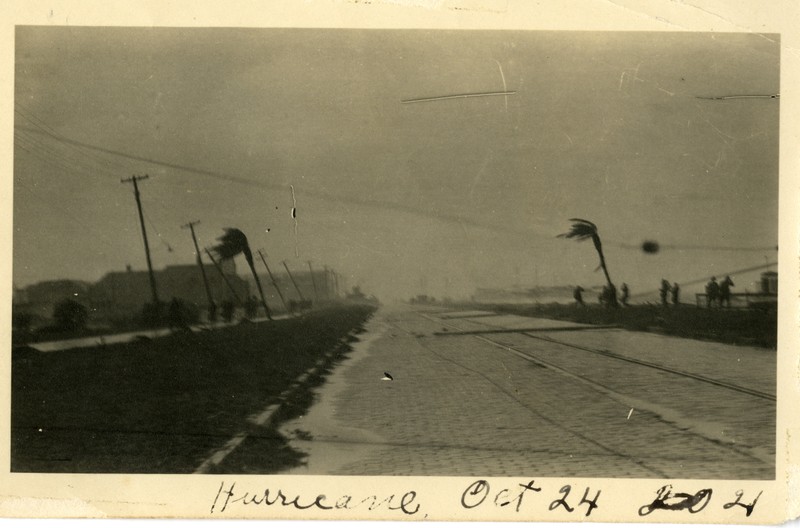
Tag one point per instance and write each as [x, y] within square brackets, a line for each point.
[744, 301]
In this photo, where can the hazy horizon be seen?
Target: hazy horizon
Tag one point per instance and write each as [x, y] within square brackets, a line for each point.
[235, 127]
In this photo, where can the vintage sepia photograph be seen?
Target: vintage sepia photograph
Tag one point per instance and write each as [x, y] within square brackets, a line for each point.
[395, 252]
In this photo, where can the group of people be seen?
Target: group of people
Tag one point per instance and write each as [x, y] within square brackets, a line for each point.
[607, 296]
[719, 294]
[667, 289]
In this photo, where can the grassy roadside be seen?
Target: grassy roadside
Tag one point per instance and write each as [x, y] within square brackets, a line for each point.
[739, 327]
[162, 406]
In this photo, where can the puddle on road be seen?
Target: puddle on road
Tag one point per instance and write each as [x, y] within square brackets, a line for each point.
[329, 443]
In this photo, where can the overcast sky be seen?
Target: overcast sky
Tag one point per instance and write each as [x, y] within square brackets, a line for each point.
[610, 127]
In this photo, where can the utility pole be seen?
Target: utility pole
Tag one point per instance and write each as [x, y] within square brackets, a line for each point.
[222, 274]
[313, 281]
[212, 308]
[134, 180]
[302, 299]
[274, 282]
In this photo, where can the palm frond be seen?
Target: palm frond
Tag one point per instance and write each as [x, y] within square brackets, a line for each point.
[582, 221]
[581, 229]
[231, 244]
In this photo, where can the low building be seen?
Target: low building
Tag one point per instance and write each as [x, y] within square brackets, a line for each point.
[40, 299]
[123, 294]
[126, 292]
[769, 282]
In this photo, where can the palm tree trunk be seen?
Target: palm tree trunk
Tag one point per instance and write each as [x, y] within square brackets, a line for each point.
[258, 283]
[603, 267]
[599, 247]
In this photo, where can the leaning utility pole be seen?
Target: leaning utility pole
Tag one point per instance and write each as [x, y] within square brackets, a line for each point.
[134, 179]
[313, 281]
[222, 274]
[274, 283]
[293, 282]
[212, 308]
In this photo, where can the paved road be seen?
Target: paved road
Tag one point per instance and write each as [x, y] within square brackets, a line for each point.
[549, 398]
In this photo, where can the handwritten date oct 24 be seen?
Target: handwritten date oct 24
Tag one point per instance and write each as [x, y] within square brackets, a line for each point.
[525, 496]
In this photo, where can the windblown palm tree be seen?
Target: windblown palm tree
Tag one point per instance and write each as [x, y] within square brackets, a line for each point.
[231, 244]
[583, 229]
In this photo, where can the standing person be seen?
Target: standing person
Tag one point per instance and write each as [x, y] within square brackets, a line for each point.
[712, 292]
[725, 291]
[177, 321]
[664, 290]
[577, 293]
[228, 309]
[676, 292]
[626, 294]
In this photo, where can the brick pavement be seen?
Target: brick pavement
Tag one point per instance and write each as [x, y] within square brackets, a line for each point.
[461, 406]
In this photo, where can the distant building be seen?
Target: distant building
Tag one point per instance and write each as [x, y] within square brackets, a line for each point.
[128, 291]
[55, 291]
[122, 294]
[358, 295]
[41, 298]
[19, 296]
[769, 282]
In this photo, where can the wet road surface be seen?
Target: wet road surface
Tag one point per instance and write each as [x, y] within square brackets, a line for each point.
[477, 393]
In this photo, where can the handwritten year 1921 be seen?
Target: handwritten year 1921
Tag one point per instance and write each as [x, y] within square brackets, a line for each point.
[668, 500]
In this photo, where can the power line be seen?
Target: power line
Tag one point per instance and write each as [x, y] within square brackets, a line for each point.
[364, 202]
[52, 152]
[212, 174]
[47, 130]
[351, 200]
[88, 227]
[41, 157]
[704, 279]
[47, 154]
[725, 97]
[60, 165]
[689, 247]
[455, 96]
[158, 232]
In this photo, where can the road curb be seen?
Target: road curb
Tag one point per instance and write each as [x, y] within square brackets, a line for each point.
[269, 417]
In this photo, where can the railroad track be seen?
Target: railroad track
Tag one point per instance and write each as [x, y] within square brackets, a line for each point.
[600, 352]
